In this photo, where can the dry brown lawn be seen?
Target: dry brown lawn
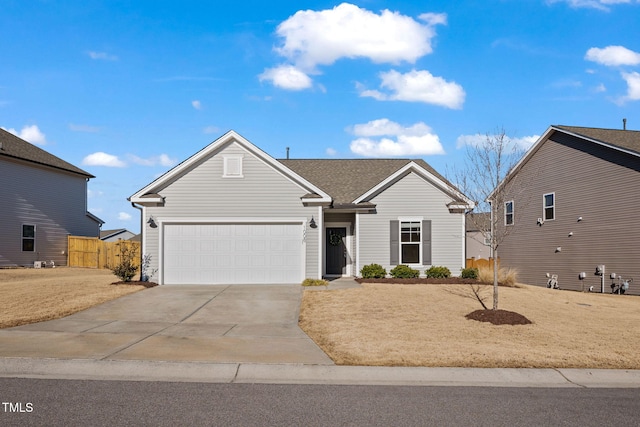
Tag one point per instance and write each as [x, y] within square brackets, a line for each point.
[425, 325]
[33, 295]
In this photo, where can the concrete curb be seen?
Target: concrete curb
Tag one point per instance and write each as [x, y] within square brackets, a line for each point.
[245, 373]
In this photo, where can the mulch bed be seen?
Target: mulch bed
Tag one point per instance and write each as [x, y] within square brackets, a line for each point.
[422, 281]
[498, 317]
[137, 282]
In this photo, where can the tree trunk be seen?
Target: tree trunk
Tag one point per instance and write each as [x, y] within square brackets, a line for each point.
[495, 279]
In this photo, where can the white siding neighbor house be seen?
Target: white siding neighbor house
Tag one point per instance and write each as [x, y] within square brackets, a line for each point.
[232, 214]
[43, 199]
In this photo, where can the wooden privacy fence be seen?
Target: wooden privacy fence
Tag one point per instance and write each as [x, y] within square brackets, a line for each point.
[481, 263]
[94, 253]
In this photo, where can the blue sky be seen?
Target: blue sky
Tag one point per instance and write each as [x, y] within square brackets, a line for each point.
[127, 89]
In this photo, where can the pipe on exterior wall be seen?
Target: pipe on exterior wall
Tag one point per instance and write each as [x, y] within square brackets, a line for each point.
[141, 233]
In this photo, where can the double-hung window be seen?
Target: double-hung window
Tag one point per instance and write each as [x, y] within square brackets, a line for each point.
[508, 213]
[410, 238]
[549, 208]
[28, 238]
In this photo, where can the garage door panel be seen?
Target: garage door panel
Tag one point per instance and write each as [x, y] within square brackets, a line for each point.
[232, 253]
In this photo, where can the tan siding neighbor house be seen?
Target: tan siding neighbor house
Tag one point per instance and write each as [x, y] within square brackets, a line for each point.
[580, 209]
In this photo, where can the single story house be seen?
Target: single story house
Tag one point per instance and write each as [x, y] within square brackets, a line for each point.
[232, 214]
[43, 199]
[576, 209]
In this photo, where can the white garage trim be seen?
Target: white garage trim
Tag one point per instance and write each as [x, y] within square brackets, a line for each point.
[295, 260]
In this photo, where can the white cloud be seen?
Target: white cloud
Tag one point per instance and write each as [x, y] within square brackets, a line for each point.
[102, 56]
[162, 160]
[384, 138]
[331, 152]
[613, 56]
[286, 77]
[84, 128]
[633, 86]
[210, 129]
[103, 159]
[600, 88]
[593, 4]
[196, 104]
[312, 38]
[31, 134]
[523, 143]
[418, 86]
[123, 216]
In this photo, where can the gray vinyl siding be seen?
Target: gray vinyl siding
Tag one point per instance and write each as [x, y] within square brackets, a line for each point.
[204, 193]
[52, 200]
[600, 185]
[412, 196]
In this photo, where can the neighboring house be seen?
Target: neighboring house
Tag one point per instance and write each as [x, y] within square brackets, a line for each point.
[577, 209]
[115, 235]
[232, 214]
[478, 226]
[43, 199]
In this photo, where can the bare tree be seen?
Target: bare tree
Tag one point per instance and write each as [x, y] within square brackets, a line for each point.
[487, 163]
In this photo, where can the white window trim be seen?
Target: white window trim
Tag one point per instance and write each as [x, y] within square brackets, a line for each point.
[22, 237]
[419, 220]
[226, 159]
[513, 213]
[545, 207]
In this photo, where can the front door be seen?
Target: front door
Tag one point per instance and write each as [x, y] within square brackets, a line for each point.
[336, 253]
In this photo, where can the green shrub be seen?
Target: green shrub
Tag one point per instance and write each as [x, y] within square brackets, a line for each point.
[373, 271]
[315, 282]
[404, 272]
[437, 272]
[126, 269]
[469, 273]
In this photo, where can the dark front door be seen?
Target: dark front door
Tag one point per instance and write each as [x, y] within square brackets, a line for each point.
[336, 251]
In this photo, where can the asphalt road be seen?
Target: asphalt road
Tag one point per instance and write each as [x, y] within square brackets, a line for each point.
[33, 402]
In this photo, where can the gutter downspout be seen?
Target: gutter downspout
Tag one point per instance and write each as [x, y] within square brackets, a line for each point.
[141, 233]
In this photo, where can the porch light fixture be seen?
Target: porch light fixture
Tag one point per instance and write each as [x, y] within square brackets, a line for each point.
[312, 223]
[152, 222]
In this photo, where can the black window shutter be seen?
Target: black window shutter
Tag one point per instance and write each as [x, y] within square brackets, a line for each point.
[394, 246]
[426, 242]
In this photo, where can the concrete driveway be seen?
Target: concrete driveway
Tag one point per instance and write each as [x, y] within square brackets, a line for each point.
[221, 324]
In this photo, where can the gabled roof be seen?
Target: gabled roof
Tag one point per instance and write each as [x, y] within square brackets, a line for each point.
[105, 234]
[348, 180]
[627, 141]
[14, 147]
[617, 138]
[149, 194]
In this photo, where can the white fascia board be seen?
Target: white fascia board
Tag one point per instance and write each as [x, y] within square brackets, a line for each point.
[443, 186]
[230, 136]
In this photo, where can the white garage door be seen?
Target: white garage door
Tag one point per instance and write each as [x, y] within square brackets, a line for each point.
[233, 253]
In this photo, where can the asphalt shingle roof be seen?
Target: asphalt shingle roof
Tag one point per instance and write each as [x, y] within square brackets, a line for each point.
[627, 139]
[12, 146]
[347, 179]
